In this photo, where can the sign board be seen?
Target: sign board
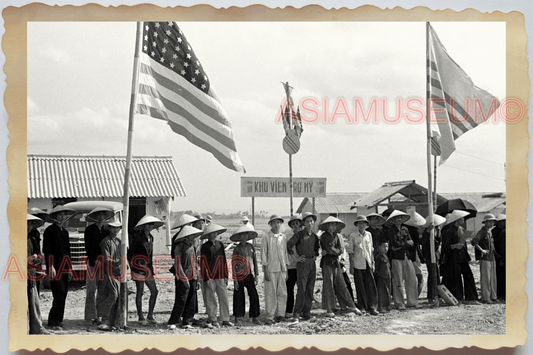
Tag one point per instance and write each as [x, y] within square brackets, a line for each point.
[280, 187]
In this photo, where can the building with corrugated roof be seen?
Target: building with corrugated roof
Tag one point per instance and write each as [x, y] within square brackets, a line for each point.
[335, 203]
[154, 182]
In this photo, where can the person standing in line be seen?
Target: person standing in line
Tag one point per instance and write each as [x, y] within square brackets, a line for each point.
[243, 260]
[413, 225]
[402, 267]
[361, 251]
[93, 236]
[456, 259]
[305, 246]
[498, 235]
[376, 221]
[295, 223]
[109, 299]
[185, 277]
[214, 276]
[56, 249]
[383, 277]
[199, 224]
[140, 257]
[274, 262]
[35, 323]
[36, 238]
[484, 242]
[425, 230]
[333, 282]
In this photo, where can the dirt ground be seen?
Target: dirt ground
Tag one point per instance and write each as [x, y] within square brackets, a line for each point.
[462, 319]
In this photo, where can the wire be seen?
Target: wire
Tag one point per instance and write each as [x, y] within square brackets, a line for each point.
[492, 177]
[490, 161]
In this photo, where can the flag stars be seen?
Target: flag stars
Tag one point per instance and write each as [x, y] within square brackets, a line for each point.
[172, 65]
[165, 41]
[153, 54]
[145, 47]
[182, 72]
[168, 32]
[170, 23]
[179, 39]
[196, 72]
[177, 48]
[157, 25]
[188, 56]
[162, 60]
[193, 80]
[174, 56]
[203, 86]
[186, 65]
[146, 37]
[164, 50]
[156, 34]
[154, 44]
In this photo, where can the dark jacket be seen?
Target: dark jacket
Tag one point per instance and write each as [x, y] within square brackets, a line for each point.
[141, 249]
[332, 245]
[92, 237]
[211, 253]
[56, 245]
[398, 238]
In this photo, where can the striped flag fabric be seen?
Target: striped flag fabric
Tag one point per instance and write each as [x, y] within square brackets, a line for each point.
[454, 98]
[174, 87]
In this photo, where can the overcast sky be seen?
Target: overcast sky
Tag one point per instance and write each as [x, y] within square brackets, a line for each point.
[79, 83]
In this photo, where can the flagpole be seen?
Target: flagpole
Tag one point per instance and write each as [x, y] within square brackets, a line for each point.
[122, 316]
[428, 158]
[290, 155]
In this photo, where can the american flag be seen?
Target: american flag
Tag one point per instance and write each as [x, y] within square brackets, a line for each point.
[450, 88]
[174, 87]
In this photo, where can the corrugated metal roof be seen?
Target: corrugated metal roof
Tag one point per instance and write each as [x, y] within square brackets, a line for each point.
[51, 176]
[482, 204]
[410, 189]
[336, 202]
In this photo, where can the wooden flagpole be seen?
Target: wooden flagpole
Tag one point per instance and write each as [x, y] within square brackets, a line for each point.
[428, 156]
[122, 316]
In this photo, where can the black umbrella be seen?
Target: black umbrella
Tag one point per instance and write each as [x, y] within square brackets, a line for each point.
[456, 204]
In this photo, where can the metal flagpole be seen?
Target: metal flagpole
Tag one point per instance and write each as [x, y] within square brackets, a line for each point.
[122, 317]
[428, 156]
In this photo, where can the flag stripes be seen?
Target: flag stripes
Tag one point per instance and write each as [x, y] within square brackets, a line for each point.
[451, 94]
[173, 87]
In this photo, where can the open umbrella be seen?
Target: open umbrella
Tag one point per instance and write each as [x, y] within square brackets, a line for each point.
[456, 204]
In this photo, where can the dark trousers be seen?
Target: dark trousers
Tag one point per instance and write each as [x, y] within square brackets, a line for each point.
[500, 277]
[59, 292]
[383, 287]
[365, 286]
[291, 282]
[108, 299]
[239, 301]
[34, 310]
[454, 282]
[306, 284]
[184, 302]
[348, 285]
[432, 292]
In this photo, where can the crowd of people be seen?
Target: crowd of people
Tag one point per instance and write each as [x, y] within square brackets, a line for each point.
[384, 256]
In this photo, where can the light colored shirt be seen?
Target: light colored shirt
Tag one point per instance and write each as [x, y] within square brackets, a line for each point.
[274, 252]
[360, 249]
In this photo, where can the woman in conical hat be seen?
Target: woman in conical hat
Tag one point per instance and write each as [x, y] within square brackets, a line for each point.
[324, 225]
[456, 273]
[185, 277]
[246, 228]
[140, 257]
[214, 276]
[403, 272]
[56, 248]
[99, 214]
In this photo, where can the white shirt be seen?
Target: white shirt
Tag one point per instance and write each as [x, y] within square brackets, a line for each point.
[360, 249]
[274, 252]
